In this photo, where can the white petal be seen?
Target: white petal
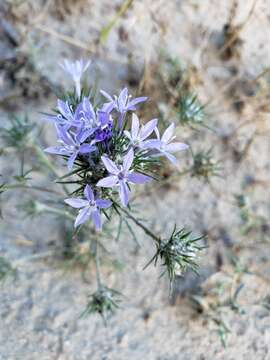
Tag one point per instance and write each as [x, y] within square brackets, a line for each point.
[168, 134]
[110, 165]
[174, 147]
[128, 160]
[135, 126]
[148, 128]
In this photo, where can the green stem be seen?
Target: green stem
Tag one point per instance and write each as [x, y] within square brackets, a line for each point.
[50, 209]
[29, 187]
[138, 223]
[44, 160]
[106, 30]
[33, 258]
[97, 263]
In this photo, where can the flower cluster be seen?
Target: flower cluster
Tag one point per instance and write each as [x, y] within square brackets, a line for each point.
[106, 146]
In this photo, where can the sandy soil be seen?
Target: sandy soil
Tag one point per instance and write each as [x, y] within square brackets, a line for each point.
[40, 311]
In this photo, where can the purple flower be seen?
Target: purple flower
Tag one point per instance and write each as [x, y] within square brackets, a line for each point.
[65, 117]
[84, 120]
[165, 145]
[104, 126]
[122, 103]
[137, 136]
[90, 206]
[121, 175]
[76, 70]
[88, 123]
[69, 146]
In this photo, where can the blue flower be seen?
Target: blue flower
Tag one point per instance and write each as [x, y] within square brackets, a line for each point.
[121, 175]
[89, 207]
[65, 117]
[76, 70]
[69, 146]
[165, 146]
[122, 104]
[137, 136]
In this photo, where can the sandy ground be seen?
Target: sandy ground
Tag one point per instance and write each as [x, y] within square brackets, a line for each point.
[40, 311]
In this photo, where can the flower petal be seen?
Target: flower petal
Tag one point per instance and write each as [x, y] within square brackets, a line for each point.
[110, 165]
[64, 109]
[148, 128]
[151, 144]
[97, 219]
[174, 147]
[84, 134]
[128, 135]
[135, 126]
[122, 100]
[53, 118]
[103, 204]
[137, 100]
[76, 202]
[57, 150]
[108, 107]
[71, 160]
[157, 133]
[64, 135]
[103, 118]
[86, 65]
[88, 108]
[82, 216]
[88, 193]
[108, 181]
[137, 178]
[86, 149]
[168, 134]
[123, 193]
[106, 95]
[170, 157]
[128, 160]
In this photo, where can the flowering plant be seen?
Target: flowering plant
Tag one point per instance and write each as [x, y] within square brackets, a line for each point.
[107, 151]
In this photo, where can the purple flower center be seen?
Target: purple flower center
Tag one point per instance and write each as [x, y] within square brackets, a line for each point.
[104, 134]
[121, 175]
[92, 203]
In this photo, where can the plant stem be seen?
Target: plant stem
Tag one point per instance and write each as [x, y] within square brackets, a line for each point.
[50, 209]
[106, 30]
[29, 187]
[138, 223]
[44, 160]
[97, 263]
[33, 258]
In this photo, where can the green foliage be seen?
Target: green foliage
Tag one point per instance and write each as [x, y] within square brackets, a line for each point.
[204, 165]
[104, 302]
[6, 269]
[178, 253]
[18, 134]
[190, 111]
[251, 220]
[107, 29]
[223, 331]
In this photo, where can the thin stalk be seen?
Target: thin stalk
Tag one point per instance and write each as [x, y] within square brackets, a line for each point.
[50, 209]
[138, 223]
[34, 257]
[97, 263]
[30, 187]
[106, 30]
[44, 160]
